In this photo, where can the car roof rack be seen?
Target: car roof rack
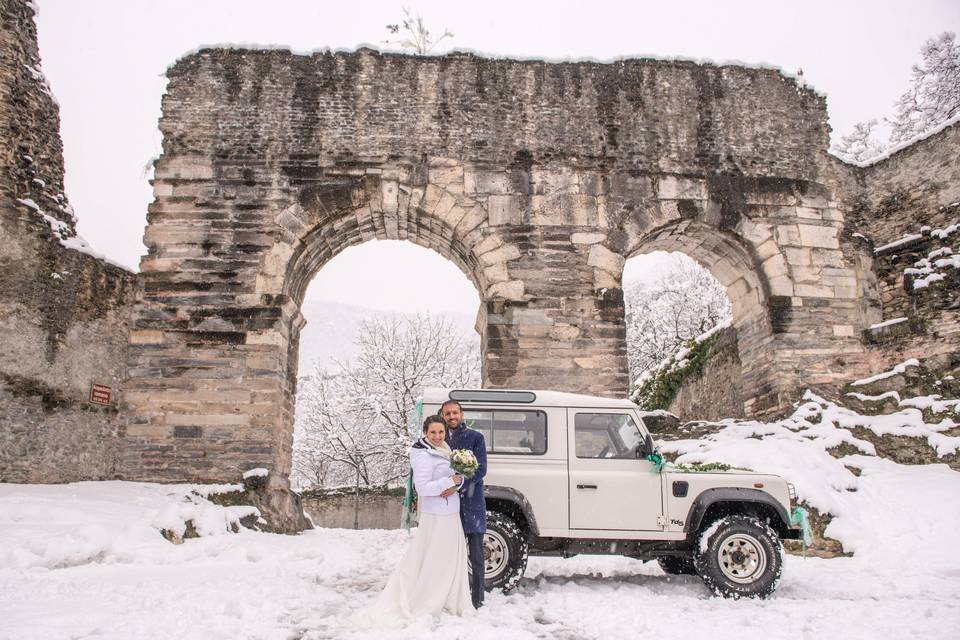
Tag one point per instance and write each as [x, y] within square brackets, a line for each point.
[492, 395]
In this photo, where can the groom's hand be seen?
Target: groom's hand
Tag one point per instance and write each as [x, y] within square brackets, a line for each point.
[449, 492]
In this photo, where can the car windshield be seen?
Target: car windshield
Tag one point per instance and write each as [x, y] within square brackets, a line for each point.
[606, 435]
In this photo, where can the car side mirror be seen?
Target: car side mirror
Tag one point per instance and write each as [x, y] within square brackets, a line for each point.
[646, 448]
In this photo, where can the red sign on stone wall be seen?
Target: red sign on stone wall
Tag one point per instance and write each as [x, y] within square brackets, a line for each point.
[100, 394]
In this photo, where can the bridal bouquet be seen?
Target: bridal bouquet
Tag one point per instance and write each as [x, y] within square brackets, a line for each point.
[464, 462]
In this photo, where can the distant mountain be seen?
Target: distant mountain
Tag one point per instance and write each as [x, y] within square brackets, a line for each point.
[331, 328]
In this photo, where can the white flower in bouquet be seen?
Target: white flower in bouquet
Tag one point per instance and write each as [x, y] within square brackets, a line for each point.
[464, 462]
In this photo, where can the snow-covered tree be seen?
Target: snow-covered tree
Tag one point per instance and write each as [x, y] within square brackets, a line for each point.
[860, 145]
[932, 99]
[934, 93]
[665, 313]
[356, 422]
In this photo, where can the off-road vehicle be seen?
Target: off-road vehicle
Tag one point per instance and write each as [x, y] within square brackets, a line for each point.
[569, 474]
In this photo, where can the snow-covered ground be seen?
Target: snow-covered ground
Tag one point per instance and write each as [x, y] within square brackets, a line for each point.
[85, 561]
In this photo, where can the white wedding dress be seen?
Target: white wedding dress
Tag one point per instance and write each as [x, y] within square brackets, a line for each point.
[432, 576]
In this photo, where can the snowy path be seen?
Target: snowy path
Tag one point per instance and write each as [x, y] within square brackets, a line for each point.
[126, 582]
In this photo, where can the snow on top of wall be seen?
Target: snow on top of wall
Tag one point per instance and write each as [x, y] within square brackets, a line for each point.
[900, 368]
[678, 358]
[41, 79]
[888, 323]
[887, 153]
[926, 281]
[945, 232]
[254, 47]
[259, 472]
[66, 236]
[910, 237]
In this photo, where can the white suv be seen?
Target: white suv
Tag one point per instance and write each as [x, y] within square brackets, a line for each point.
[569, 474]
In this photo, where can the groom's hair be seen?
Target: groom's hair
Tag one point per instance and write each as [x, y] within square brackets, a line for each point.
[430, 420]
[459, 406]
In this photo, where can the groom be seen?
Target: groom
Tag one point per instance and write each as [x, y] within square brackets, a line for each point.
[473, 506]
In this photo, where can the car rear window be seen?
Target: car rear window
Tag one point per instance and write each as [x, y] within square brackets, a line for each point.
[510, 431]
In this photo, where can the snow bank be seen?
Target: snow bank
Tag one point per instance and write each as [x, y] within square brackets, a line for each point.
[115, 577]
[58, 526]
[798, 448]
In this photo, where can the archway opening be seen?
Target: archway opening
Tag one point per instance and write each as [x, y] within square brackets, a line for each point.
[382, 320]
[698, 327]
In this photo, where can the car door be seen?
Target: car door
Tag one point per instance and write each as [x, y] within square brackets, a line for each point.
[610, 487]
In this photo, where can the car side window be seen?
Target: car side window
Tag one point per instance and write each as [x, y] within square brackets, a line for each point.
[606, 435]
[508, 431]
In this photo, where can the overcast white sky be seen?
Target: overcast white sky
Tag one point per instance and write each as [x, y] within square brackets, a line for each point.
[105, 60]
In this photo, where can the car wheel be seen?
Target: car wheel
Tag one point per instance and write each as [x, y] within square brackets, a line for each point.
[504, 552]
[739, 556]
[677, 565]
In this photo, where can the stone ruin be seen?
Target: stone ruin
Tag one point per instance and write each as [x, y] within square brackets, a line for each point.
[538, 180]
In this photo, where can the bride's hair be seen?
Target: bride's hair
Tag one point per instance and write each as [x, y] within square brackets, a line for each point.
[430, 420]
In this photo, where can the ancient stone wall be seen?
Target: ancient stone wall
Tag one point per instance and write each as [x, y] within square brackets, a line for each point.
[910, 189]
[63, 313]
[717, 393]
[908, 206]
[538, 180]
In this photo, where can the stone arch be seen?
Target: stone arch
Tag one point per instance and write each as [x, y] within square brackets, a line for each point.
[536, 179]
[316, 233]
[734, 264]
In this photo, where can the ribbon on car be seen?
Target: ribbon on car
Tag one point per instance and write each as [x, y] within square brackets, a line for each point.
[409, 515]
[658, 463]
[801, 518]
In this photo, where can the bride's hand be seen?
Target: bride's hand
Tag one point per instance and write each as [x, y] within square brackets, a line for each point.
[448, 492]
[457, 479]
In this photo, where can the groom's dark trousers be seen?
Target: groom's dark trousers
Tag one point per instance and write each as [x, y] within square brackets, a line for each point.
[475, 549]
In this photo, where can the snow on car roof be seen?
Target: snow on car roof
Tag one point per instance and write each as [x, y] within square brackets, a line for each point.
[544, 398]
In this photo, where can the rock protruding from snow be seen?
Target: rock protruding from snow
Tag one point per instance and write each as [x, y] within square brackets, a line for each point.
[279, 506]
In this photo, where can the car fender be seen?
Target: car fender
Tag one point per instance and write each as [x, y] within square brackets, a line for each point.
[732, 494]
[516, 498]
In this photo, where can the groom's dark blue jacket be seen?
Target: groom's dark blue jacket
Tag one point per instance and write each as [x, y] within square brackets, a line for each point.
[473, 507]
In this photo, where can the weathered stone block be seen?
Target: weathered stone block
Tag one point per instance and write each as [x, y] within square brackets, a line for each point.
[504, 210]
[511, 290]
[481, 182]
[587, 238]
[817, 236]
[607, 260]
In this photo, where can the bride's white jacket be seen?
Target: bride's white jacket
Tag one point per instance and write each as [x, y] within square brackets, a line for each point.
[431, 476]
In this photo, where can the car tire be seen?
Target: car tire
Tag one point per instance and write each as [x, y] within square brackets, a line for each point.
[505, 552]
[677, 565]
[739, 557]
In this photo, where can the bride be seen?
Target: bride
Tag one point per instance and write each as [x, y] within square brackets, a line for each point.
[432, 577]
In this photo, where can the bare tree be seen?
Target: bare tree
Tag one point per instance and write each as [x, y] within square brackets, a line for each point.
[356, 422]
[398, 357]
[661, 315]
[416, 37]
[336, 431]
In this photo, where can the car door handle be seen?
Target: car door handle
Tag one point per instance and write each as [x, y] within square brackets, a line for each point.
[586, 486]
